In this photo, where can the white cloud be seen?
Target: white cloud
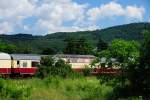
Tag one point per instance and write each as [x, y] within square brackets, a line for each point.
[44, 25]
[14, 11]
[5, 27]
[55, 13]
[134, 12]
[108, 10]
[52, 15]
[113, 9]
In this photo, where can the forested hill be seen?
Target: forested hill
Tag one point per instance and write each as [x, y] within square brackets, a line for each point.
[56, 40]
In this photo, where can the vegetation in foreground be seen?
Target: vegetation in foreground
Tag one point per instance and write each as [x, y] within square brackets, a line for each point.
[55, 88]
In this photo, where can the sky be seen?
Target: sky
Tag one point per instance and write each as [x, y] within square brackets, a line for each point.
[40, 17]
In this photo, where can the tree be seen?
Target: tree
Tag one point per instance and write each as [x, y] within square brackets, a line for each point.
[101, 45]
[48, 51]
[8, 48]
[78, 46]
[124, 50]
[136, 63]
[142, 78]
[50, 66]
[126, 53]
[71, 45]
[145, 51]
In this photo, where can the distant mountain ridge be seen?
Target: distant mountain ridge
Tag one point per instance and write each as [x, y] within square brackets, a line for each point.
[55, 41]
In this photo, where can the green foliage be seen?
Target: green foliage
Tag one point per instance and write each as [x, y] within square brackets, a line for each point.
[101, 45]
[123, 50]
[9, 48]
[140, 78]
[78, 46]
[48, 51]
[145, 55]
[135, 72]
[87, 71]
[27, 43]
[55, 88]
[14, 91]
[81, 88]
[104, 53]
[51, 66]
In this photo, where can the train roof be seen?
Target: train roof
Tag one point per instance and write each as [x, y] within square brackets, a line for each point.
[4, 56]
[25, 57]
[73, 56]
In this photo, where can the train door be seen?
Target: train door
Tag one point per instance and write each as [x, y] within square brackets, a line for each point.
[18, 64]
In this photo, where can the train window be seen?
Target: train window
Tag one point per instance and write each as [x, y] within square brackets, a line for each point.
[81, 60]
[35, 64]
[73, 60]
[24, 64]
[18, 62]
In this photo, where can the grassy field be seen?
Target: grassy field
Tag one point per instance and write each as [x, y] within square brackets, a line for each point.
[88, 88]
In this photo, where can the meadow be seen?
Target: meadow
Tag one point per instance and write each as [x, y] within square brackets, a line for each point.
[52, 88]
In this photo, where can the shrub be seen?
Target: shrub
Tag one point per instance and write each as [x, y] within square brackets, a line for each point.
[103, 65]
[50, 66]
[86, 71]
[74, 75]
[15, 91]
[52, 81]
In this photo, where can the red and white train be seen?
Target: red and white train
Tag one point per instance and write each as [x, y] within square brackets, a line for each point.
[19, 64]
[26, 64]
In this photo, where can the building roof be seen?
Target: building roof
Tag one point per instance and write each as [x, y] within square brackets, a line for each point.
[74, 56]
[4, 56]
[25, 57]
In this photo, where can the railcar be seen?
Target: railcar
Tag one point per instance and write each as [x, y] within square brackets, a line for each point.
[26, 64]
[18, 64]
[79, 62]
[5, 64]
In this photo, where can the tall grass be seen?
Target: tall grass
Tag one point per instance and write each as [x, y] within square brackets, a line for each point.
[54, 88]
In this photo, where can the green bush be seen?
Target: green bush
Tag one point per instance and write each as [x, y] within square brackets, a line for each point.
[55, 88]
[87, 71]
[52, 81]
[50, 66]
[14, 90]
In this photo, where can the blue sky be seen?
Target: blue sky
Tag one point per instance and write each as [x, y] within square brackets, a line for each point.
[40, 17]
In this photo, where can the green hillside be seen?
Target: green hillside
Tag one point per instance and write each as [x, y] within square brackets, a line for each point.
[36, 44]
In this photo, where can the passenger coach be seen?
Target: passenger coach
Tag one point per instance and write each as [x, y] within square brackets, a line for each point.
[5, 63]
[25, 63]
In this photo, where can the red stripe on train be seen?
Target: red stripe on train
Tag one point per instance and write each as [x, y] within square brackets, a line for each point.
[99, 70]
[31, 70]
[5, 70]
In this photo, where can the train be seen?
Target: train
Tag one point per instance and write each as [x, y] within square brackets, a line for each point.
[18, 64]
[27, 64]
